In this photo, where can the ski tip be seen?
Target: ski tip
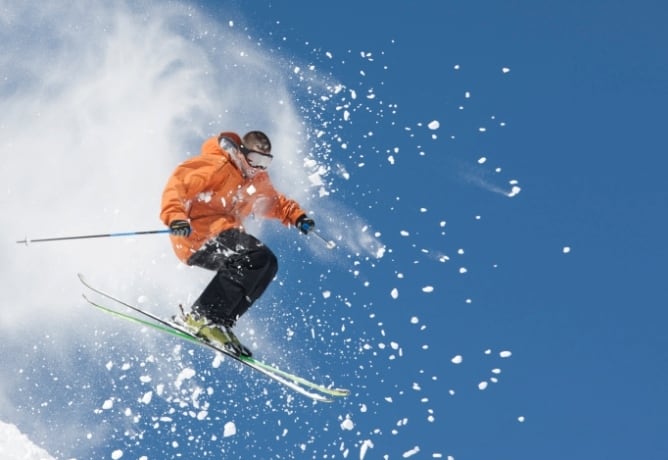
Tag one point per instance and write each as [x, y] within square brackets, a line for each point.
[341, 391]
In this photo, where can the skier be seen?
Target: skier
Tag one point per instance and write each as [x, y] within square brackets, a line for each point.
[204, 205]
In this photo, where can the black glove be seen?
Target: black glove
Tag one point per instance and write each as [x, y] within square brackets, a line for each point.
[180, 228]
[305, 224]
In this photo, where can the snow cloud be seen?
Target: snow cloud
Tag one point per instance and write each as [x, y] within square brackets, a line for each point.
[101, 102]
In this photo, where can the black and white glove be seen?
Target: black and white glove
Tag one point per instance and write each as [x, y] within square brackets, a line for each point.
[305, 224]
[180, 228]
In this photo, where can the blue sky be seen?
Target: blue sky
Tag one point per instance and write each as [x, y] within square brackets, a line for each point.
[435, 263]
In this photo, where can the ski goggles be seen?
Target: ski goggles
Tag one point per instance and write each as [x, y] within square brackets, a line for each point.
[255, 159]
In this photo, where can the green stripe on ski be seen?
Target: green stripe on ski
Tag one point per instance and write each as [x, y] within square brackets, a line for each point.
[143, 322]
[249, 359]
[295, 382]
[290, 380]
[297, 379]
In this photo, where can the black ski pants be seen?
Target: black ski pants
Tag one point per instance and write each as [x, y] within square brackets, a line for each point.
[244, 266]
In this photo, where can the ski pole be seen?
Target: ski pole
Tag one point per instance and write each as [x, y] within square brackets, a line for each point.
[27, 241]
[329, 243]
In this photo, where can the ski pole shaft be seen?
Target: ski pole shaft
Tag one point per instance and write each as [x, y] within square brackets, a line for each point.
[27, 241]
[329, 243]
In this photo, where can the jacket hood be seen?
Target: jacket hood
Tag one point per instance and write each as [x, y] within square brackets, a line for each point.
[211, 146]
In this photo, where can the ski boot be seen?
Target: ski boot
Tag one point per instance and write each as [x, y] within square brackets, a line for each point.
[215, 334]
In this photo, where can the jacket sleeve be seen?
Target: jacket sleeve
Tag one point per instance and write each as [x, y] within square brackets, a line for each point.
[279, 206]
[189, 178]
[287, 210]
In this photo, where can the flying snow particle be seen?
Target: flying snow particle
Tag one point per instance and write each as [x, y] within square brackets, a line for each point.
[230, 429]
[428, 289]
[514, 191]
[394, 293]
[204, 197]
[482, 385]
[410, 453]
[146, 399]
[115, 455]
[366, 445]
[566, 249]
[506, 354]
[521, 419]
[326, 294]
[457, 359]
[185, 374]
[482, 160]
[414, 320]
[434, 125]
[347, 424]
[505, 69]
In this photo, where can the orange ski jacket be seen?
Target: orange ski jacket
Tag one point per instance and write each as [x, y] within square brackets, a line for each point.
[212, 193]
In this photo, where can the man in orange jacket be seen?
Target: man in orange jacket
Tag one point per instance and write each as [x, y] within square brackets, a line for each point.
[204, 204]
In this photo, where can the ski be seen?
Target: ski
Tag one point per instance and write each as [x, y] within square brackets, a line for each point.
[299, 384]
